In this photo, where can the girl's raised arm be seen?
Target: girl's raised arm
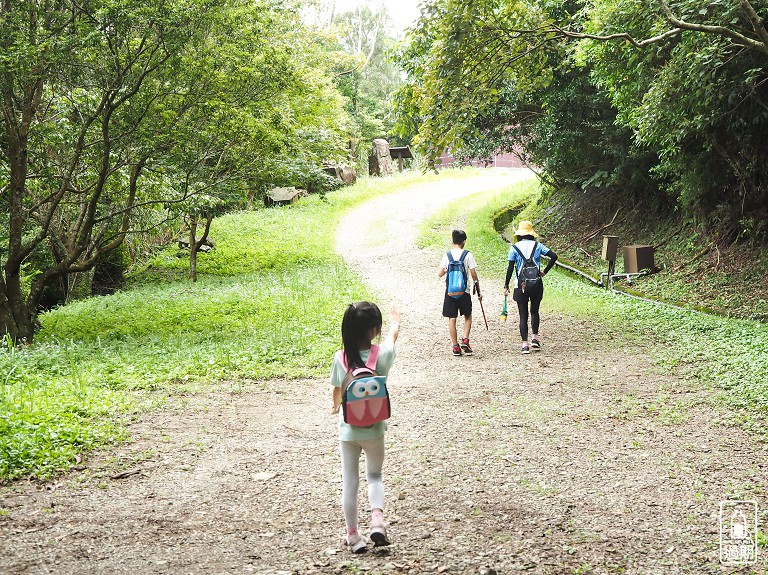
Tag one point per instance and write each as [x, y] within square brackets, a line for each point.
[394, 324]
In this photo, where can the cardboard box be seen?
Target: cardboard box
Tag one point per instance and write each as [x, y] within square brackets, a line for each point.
[637, 258]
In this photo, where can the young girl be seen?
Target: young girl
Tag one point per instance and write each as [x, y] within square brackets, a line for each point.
[359, 327]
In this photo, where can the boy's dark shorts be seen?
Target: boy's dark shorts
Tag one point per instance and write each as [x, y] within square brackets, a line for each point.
[452, 306]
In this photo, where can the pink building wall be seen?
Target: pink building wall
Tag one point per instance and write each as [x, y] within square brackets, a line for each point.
[500, 161]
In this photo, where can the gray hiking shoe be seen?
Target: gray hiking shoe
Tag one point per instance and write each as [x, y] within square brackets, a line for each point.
[379, 535]
[356, 543]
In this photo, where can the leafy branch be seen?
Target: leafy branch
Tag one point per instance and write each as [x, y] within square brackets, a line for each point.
[758, 43]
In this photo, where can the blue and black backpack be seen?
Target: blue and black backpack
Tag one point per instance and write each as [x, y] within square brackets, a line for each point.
[529, 275]
[457, 275]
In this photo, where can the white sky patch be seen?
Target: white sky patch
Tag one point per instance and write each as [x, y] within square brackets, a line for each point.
[403, 12]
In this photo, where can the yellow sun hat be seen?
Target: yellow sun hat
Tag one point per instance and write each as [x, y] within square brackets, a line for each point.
[525, 228]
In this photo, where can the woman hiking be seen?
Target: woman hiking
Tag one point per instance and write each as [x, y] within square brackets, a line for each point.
[525, 259]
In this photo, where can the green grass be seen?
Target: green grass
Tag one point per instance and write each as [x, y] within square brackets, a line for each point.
[730, 355]
[50, 412]
[267, 304]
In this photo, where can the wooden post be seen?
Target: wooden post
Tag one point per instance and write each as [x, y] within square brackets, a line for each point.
[610, 248]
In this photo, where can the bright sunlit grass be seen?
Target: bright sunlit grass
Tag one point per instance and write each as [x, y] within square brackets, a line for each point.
[267, 304]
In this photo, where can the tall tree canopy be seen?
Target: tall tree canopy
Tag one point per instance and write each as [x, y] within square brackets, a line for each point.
[119, 114]
[360, 45]
[366, 37]
[667, 101]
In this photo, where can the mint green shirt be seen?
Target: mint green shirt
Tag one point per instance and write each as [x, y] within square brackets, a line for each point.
[338, 373]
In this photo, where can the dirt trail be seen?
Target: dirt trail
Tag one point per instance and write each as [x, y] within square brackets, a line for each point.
[583, 458]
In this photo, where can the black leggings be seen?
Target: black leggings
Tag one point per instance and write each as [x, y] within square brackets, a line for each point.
[523, 299]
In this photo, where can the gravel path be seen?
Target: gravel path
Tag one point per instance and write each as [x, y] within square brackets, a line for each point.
[586, 457]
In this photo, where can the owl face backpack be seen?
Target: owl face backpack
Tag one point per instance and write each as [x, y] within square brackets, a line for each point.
[364, 395]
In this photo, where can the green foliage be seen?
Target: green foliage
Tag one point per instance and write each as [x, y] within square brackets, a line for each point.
[680, 123]
[152, 113]
[691, 341]
[687, 340]
[255, 326]
[268, 304]
[555, 119]
[266, 113]
[450, 82]
[50, 410]
[365, 75]
[699, 103]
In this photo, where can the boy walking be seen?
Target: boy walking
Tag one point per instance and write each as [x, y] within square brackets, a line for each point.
[457, 264]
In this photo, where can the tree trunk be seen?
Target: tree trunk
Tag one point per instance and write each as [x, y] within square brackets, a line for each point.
[15, 318]
[14, 313]
[7, 323]
[193, 249]
[195, 244]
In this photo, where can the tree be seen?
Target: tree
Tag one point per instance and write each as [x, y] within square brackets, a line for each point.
[665, 100]
[258, 111]
[67, 75]
[700, 101]
[745, 27]
[206, 139]
[121, 116]
[359, 44]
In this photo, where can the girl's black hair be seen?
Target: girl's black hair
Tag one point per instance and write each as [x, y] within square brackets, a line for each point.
[526, 237]
[359, 319]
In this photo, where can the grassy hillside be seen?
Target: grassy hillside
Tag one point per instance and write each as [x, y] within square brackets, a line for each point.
[267, 304]
[730, 355]
[709, 270]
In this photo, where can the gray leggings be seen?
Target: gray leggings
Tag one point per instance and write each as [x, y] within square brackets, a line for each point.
[350, 475]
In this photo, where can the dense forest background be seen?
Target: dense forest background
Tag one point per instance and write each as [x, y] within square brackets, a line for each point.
[646, 120]
[127, 124]
[661, 102]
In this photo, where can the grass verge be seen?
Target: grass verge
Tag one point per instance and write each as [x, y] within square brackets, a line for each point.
[730, 355]
[267, 304]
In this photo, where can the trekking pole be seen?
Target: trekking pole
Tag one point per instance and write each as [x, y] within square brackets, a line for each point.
[475, 290]
[504, 313]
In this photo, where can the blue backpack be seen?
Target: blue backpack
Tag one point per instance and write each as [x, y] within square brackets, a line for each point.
[457, 275]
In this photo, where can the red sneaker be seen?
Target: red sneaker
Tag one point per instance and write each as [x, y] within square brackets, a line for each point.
[465, 346]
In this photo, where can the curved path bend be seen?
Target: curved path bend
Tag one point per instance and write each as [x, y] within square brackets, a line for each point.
[586, 457]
